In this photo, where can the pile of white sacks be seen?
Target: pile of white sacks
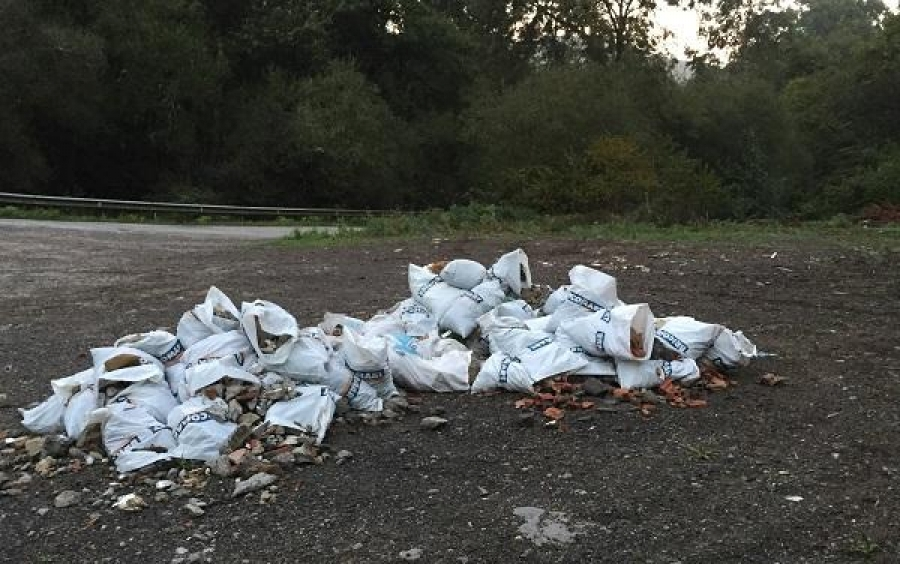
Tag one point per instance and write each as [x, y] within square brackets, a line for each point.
[159, 396]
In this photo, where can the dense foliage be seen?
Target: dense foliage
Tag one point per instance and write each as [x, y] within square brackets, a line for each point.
[557, 107]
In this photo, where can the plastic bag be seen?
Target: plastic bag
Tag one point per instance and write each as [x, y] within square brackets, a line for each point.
[463, 273]
[200, 428]
[624, 332]
[686, 336]
[732, 349]
[162, 345]
[272, 331]
[310, 411]
[217, 314]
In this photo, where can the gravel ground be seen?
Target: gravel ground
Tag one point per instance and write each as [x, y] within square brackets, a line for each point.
[700, 485]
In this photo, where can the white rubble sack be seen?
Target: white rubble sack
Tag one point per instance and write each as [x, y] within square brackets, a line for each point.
[308, 358]
[555, 299]
[462, 315]
[230, 347]
[429, 365]
[513, 271]
[609, 332]
[217, 314]
[732, 349]
[200, 427]
[430, 290]
[310, 411]
[206, 374]
[262, 317]
[360, 395]
[78, 410]
[686, 336]
[650, 373]
[125, 364]
[132, 436]
[162, 345]
[47, 417]
[501, 371]
[463, 273]
[591, 291]
[595, 366]
[520, 309]
[331, 321]
[366, 357]
[523, 358]
[154, 397]
[415, 319]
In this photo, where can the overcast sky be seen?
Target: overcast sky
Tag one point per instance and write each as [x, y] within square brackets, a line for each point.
[684, 25]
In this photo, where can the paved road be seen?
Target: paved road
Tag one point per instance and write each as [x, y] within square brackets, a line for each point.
[152, 229]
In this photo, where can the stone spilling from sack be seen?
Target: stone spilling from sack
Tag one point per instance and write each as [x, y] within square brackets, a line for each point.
[246, 389]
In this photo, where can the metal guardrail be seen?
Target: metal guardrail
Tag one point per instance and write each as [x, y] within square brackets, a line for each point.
[170, 207]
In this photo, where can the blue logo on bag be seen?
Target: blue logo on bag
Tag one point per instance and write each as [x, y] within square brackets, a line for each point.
[367, 374]
[429, 285]
[198, 417]
[473, 296]
[170, 354]
[584, 302]
[600, 340]
[503, 374]
[540, 344]
[666, 369]
[413, 310]
[674, 342]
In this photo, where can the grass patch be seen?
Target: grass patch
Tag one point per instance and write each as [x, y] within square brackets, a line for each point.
[863, 546]
[91, 215]
[489, 221]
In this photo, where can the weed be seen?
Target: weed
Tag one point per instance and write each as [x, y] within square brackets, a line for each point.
[863, 546]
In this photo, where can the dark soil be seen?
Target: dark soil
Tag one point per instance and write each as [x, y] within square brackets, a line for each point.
[693, 485]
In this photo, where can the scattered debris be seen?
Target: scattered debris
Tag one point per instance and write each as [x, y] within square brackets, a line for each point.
[130, 502]
[770, 379]
[432, 423]
[253, 483]
[66, 498]
[544, 527]
[411, 554]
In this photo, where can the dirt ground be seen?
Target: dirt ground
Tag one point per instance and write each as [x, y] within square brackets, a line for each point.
[691, 486]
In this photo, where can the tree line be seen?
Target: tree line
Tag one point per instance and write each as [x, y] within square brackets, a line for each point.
[563, 106]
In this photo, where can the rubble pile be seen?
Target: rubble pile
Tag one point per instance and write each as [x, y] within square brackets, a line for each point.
[248, 391]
